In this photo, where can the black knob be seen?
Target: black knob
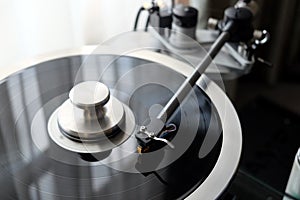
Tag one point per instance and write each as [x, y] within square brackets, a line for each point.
[185, 16]
[242, 19]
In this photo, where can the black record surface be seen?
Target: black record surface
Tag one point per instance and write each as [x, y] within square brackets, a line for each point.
[38, 169]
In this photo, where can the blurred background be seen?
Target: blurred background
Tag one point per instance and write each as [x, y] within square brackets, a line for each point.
[267, 99]
[34, 27]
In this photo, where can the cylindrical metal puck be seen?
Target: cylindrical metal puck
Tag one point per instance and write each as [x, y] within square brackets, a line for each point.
[90, 113]
[89, 94]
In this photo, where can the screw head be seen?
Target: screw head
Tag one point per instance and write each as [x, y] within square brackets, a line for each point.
[143, 128]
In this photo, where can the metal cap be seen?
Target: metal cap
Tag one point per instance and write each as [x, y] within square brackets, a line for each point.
[89, 94]
[90, 113]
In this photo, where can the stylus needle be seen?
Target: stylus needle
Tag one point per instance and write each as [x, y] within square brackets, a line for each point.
[165, 141]
[153, 136]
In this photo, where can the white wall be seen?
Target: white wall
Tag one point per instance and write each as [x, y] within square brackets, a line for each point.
[33, 27]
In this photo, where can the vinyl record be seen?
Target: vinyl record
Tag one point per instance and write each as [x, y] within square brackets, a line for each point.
[33, 166]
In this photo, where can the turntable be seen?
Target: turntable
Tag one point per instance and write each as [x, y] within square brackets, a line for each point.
[118, 121]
